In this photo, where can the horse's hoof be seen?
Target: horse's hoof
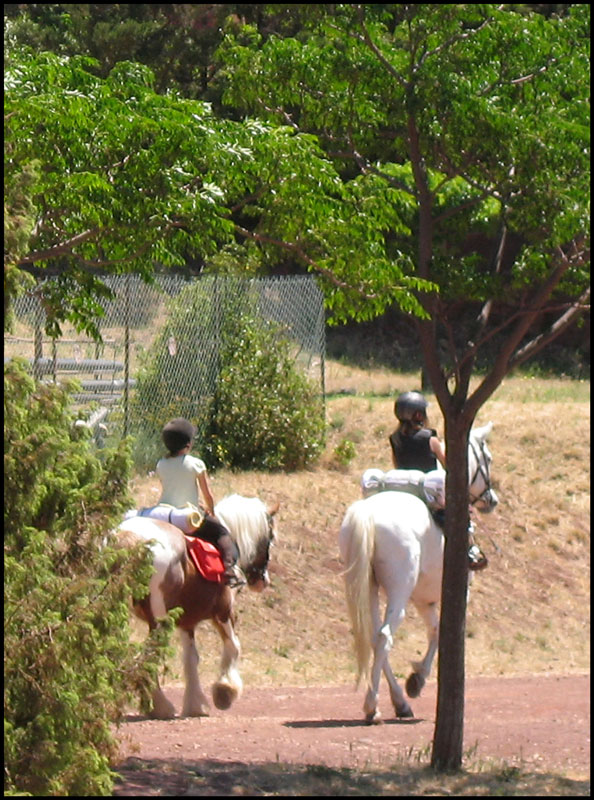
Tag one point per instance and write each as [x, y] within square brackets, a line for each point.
[405, 713]
[199, 712]
[223, 696]
[414, 684]
[374, 718]
[163, 715]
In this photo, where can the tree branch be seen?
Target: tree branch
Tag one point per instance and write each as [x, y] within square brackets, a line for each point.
[561, 324]
[458, 37]
[62, 249]
[366, 39]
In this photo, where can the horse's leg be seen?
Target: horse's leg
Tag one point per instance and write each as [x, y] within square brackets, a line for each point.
[195, 703]
[421, 669]
[372, 713]
[229, 685]
[400, 703]
[382, 645]
[162, 708]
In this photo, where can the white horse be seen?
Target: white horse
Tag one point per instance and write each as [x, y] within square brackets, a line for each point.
[176, 582]
[391, 541]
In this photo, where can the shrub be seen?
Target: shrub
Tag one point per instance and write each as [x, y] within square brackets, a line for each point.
[69, 667]
[265, 413]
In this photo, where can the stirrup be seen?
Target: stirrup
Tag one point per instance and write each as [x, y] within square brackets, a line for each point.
[477, 560]
[234, 577]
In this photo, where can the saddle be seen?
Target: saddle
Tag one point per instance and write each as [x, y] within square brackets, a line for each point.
[206, 558]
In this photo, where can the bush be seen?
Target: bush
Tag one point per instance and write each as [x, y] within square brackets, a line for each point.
[69, 667]
[233, 375]
[265, 413]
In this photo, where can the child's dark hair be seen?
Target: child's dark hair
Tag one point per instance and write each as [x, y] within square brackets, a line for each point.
[177, 434]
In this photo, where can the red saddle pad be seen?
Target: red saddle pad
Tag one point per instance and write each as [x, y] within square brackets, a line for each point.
[206, 558]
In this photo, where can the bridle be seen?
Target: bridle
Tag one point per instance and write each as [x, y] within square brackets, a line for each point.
[482, 469]
[256, 572]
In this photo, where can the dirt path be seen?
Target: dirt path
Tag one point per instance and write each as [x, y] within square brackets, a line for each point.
[541, 722]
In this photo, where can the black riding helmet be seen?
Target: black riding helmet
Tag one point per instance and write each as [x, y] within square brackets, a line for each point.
[411, 407]
[177, 434]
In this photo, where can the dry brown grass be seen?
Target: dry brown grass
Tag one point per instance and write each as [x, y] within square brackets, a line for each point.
[529, 611]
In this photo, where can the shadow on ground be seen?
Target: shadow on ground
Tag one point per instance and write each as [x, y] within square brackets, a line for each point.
[177, 777]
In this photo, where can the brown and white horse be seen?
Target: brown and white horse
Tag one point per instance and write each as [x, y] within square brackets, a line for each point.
[177, 583]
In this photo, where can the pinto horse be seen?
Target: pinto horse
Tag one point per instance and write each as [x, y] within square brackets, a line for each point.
[176, 582]
[391, 541]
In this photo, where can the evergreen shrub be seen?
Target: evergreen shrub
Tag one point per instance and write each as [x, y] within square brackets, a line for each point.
[265, 414]
[69, 665]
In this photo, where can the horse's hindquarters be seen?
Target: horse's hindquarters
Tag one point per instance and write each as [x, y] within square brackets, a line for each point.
[388, 541]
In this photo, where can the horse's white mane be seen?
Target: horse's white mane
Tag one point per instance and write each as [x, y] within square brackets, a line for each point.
[245, 518]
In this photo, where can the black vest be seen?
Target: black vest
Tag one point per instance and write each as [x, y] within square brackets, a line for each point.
[414, 452]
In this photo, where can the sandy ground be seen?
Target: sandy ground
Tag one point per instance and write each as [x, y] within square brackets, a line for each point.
[539, 723]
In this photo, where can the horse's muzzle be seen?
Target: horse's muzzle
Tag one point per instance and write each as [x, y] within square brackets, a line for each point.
[487, 502]
[261, 583]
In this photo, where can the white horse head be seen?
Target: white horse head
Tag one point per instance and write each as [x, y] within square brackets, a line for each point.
[482, 495]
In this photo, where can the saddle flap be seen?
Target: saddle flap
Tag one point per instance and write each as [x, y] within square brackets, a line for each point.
[206, 558]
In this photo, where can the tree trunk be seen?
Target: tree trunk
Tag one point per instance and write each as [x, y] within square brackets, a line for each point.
[449, 726]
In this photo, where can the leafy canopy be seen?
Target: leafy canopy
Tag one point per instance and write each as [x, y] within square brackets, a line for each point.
[128, 179]
[472, 124]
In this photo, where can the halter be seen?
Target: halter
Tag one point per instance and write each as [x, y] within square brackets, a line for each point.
[482, 469]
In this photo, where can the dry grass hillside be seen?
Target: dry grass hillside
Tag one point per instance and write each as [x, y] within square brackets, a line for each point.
[528, 612]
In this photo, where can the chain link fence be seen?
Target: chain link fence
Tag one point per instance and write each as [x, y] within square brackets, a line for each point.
[172, 326]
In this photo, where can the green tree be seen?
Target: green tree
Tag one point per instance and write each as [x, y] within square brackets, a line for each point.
[69, 665]
[129, 179]
[114, 192]
[467, 126]
[176, 40]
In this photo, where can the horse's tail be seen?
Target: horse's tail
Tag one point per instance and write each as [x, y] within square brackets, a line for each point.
[357, 546]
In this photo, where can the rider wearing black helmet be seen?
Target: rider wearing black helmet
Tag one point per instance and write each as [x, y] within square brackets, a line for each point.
[414, 446]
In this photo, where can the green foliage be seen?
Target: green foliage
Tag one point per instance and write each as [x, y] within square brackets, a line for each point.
[265, 413]
[344, 452]
[235, 377]
[19, 220]
[175, 40]
[460, 133]
[129, 179]
[125, 175]
[69, 667]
